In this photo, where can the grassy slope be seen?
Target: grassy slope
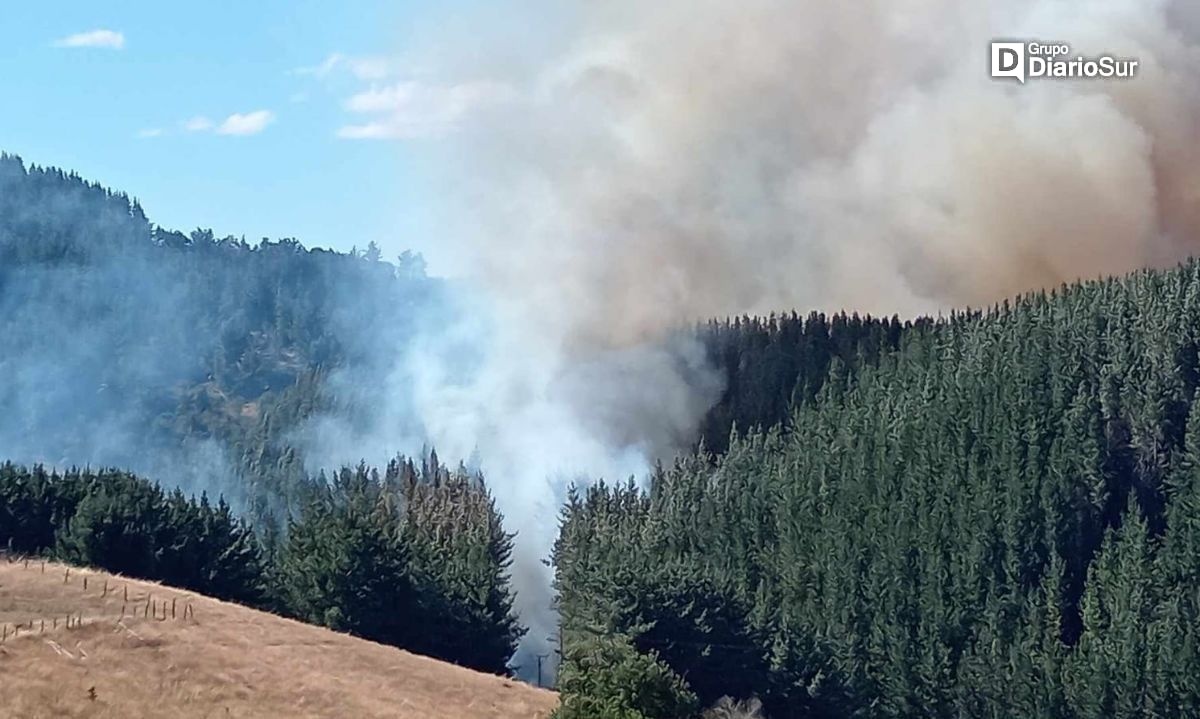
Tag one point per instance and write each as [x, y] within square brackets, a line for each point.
[221, 660]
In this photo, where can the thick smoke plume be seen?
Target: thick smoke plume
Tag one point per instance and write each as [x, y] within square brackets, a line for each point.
[690, 159]
[664, 162]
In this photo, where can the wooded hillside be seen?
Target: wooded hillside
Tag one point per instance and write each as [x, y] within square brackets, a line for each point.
[992, 514]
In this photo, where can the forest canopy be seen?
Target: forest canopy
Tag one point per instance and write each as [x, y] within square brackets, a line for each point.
[988, 515]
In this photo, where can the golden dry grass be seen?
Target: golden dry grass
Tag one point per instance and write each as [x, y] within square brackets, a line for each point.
[221, 660]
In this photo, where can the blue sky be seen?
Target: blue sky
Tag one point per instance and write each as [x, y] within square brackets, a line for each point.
[264, 119]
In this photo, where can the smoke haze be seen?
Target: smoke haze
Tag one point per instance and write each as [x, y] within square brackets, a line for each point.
[94, 344]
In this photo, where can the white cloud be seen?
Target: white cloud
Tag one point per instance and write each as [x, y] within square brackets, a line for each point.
[326, 66]
[149, 132]
[250, 123]
[93, 38]
[365, 67]
[406, 108]
[197, 124]
[411, 110]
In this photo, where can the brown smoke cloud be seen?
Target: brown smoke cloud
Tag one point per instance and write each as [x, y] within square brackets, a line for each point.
[684, 159]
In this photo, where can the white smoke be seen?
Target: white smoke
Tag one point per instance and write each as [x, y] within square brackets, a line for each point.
[658, 163]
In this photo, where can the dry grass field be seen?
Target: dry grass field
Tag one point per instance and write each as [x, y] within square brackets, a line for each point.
[82, 643]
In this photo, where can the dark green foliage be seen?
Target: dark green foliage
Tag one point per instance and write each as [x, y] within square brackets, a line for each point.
[771, 365]
[727, 708]
[417, 558]
[124, 524]
[343, 565]
[605, 677]
[988, 515]
[459, 557]
[33, 505]
[701, 629]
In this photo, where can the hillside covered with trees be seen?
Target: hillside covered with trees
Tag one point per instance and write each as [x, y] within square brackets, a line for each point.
[187, 358]
[993, 514]
[189, 362]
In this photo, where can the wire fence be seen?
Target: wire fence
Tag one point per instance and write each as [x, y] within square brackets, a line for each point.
[138, 604]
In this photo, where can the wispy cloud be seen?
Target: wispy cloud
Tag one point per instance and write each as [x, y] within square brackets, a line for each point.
[197, 124]
[398, 101]
[362, 67]
[149, 132]
[108, 39]
[322, 69]
[371, 68]
[250, 123]
[413, 110]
